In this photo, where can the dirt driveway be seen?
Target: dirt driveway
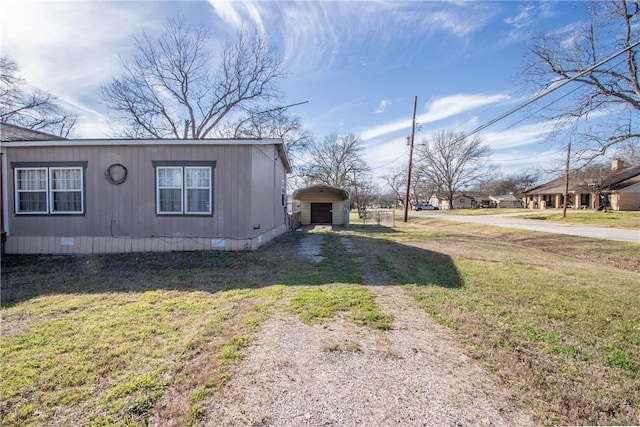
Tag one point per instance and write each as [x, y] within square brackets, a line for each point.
[342, 374]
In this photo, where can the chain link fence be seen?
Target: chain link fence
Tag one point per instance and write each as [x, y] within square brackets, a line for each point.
[385, 217]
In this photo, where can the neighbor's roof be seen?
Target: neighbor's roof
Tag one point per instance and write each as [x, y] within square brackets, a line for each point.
[474, 195]
[505, 198]
[556, 186]
[622, 178]
[322, 188]
[9, 132]
[617, 180]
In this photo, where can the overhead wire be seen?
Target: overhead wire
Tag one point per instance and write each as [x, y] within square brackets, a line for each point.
[527, 117]
[552, 88]
[391, 162]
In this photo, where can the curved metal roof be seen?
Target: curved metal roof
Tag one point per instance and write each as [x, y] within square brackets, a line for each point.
[322, 188]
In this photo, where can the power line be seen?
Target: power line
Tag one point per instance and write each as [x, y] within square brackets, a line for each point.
[552, 102]
[391, 162]
[550, 89]
[283, 107]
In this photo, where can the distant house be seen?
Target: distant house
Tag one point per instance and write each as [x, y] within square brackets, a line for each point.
[322, 204]
[467, 200]
[506, 201]
[618, 190]
[97, 196]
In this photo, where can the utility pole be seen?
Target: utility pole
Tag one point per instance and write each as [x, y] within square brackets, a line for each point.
[413, 133]
[566, 182]
[355, 187]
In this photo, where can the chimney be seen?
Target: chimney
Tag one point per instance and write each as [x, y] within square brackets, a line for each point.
[617, 164]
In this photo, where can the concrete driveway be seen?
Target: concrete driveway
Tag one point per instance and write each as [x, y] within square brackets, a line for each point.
[509, 221]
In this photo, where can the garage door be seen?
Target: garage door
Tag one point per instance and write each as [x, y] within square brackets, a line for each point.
[321, 213]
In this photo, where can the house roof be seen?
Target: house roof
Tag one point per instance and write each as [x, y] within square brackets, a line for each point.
[556, 186]
[9, 132]
[323, 188]
[475, 195]
[505, 198]
[616, 180]
[62, 142]
[622, 179]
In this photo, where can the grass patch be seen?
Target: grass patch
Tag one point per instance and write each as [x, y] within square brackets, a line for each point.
[606, 219]
[109, 340]
[479, 211]
[128, 339]
[317, 304]
[604, 253]
[562, 332]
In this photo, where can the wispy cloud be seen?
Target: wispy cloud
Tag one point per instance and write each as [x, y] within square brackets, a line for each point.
[519, 136]
[383, 106]
[437, 109]
[239, 14]
[317, 34]
[70, 48]
[524, 18]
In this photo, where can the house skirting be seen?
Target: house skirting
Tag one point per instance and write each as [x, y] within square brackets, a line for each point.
[101, 244]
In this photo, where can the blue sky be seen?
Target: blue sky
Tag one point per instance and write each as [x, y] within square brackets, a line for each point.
[359, 64]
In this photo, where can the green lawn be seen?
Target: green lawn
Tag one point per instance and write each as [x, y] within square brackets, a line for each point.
[607, 219]
[128, 339]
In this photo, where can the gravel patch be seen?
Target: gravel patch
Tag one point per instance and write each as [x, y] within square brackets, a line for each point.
[340, 374]
[309, 247]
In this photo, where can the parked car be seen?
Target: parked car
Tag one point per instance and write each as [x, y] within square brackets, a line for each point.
[424, 206]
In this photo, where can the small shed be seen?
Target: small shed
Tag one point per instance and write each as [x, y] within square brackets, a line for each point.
[323, 204]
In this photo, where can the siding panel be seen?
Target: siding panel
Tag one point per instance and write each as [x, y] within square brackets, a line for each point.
[122, 218]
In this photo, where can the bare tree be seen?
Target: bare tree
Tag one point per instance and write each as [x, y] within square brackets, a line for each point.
[629, 152]
[272, 123]
[336, 161]
[611, 89]
[35, 109]
[396, 181]
[168, 89]
[364, 192]
[515, 184]
[450, 162]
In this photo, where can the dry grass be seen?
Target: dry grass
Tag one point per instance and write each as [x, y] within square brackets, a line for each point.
[563, 331]
[607, 219]
[151, 338]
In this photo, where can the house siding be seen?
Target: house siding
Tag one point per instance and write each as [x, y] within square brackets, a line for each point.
[122, 218]
[267, 175]
[626, 199]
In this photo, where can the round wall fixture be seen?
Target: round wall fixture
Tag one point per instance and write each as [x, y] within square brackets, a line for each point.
[116, 174]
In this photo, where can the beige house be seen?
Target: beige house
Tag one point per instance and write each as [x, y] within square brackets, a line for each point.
[466, 200]
[322, 204]
[505, 201]
[619, 189]
[97, 196]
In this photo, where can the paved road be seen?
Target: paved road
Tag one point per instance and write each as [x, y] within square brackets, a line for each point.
[607, 233]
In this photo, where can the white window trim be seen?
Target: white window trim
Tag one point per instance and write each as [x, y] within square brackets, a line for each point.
[17, 192]
[48, 191]
[186, 193]
[183, 191]
[159, 188]
[51, 191]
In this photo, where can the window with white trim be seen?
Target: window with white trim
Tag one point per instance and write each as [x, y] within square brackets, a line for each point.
[184, 190]
[49, 190]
